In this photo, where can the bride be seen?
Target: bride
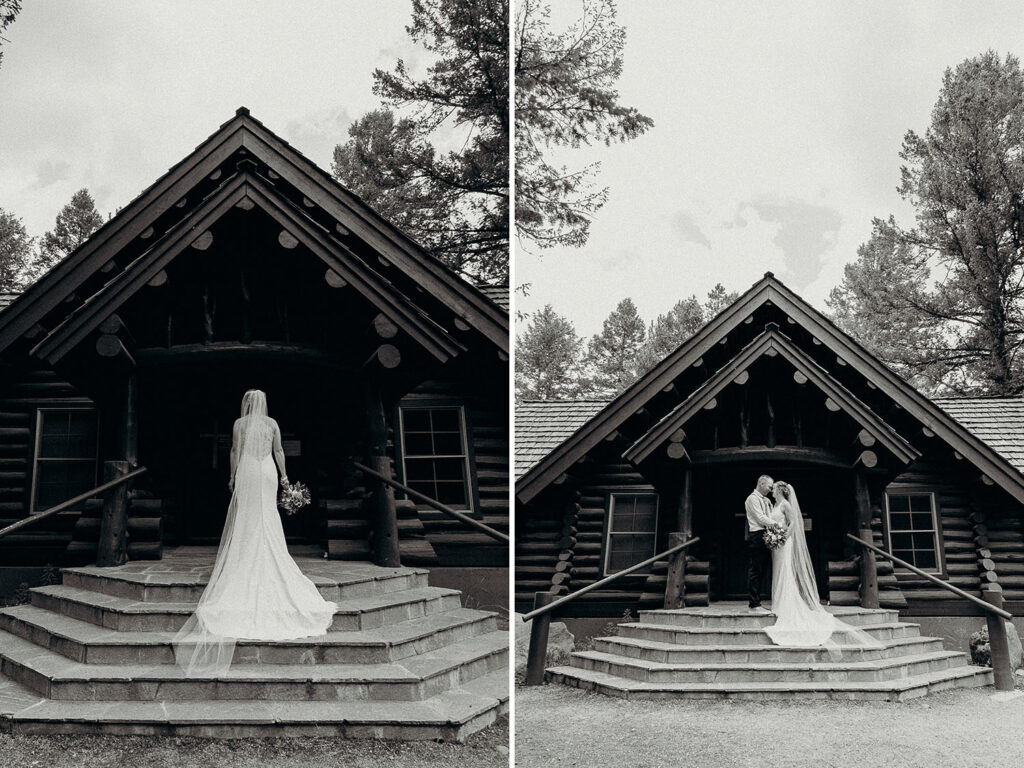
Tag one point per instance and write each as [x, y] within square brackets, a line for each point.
[256, 591]
[801, 620]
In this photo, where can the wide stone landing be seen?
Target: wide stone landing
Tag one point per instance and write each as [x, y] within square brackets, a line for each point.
[722, 651]
[401, 660]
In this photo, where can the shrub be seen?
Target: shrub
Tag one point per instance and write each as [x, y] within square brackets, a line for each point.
[981, 650]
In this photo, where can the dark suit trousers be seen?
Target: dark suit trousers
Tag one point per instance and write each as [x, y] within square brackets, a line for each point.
[757, 559]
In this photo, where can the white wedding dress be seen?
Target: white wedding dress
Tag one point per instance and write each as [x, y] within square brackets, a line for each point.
[256, 591]
[801, 620]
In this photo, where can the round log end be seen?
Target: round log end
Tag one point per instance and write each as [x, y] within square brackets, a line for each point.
[287, 239]
[108, 345]
[799, 378]
[246, 204]
[334, 279]
[160, 278]
[383, 326]
[388, 356]
[868, 459]
[461, 324]
[831, 405]
[676, 450]
[204, 241]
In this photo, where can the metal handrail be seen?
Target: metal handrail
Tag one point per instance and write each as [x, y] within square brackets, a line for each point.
[483, 528]
[608, 579]
[71, 502]
[944, 584]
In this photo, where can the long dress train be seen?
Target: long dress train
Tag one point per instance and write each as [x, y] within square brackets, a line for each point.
[801, 620]
[256, 591]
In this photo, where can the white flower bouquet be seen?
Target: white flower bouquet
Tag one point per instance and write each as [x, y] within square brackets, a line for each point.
[293, 497]
[774, 536]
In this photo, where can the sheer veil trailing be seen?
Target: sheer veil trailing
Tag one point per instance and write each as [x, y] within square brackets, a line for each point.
[801, 619]
[200, 646]
[256, 590]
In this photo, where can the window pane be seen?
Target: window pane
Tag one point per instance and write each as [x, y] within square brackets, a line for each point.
[925, 560]
[418, 444]
[58, 481]
[899, 504]
[924, 541]
[448, 443]
[899, 522]
[901, 541]
[445, 419]
[921, 502]
[419, 470]
[923, 521]
[416, 419]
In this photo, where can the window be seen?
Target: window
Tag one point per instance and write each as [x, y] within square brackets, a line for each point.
[435, 460]
[913, 529]
[632, 530]
[65, 455]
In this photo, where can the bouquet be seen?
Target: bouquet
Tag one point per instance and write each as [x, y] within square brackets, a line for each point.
[293, 497]
[774, 536]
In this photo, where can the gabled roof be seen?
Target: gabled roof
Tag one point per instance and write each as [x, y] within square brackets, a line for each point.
[243, 186]
[245, 135]
[772, 342]
[999, 421]
[542, 425]
[769, 290]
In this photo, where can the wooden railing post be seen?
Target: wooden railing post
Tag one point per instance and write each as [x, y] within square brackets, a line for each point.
[868, 574]
[113, 544]
[999, 645]
[536, 658]
[675, 584]
[384, 515]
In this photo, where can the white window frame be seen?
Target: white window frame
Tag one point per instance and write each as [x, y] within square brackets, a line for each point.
[940, 566]
[467, 477]
[610, 525]
[36, 458]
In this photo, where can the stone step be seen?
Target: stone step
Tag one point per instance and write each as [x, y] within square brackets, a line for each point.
[859, 671]
[887, 690]
[88, 643]
[414, 679]
[127, 615]
[176, 586]
[452, 715]
[671, 653]
[712, 618]
[743, 636]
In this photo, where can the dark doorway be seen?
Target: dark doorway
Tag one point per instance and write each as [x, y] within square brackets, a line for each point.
[825, 496]
[186, 418]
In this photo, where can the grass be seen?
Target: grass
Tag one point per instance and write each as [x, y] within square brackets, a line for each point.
[567, 727]
[485, 749]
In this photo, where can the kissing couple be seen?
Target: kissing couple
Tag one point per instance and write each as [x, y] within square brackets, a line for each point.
[775, 525]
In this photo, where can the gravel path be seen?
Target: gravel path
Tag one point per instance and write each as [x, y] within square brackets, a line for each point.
[565, 727]
[484, 749]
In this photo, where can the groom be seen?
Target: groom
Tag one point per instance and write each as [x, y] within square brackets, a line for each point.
[758, 507]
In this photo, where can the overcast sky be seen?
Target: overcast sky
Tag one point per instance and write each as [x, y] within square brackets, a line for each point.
[108, 94]
[777, 132]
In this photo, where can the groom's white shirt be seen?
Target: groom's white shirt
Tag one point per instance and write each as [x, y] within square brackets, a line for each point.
[757, 507]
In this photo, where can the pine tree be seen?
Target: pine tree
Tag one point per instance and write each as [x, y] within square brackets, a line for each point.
[943, 302]
[75, 222]
[455, 203]
[549, 359]
[15, 253]
[612, 354]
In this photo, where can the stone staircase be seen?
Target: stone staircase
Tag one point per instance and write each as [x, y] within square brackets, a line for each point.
[402, 659]
[722, 652]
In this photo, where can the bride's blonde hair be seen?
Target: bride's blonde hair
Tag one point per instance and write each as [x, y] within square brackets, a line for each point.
[783, 488]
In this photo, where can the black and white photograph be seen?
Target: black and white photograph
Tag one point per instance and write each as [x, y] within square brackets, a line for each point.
[254, 383]
[769, 424]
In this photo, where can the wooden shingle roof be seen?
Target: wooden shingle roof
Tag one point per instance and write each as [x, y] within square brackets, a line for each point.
[496, 293]
[998, 421]
[543, 425]
[6, 299]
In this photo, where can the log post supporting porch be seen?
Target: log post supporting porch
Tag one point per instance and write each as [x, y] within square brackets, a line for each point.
[868, 565]
[384, 515]
[112, 548]
[675, 584]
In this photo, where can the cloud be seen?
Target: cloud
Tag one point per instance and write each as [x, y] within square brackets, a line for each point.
[315, 134]
[49, 172]
[684, 225]
[806, 232]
